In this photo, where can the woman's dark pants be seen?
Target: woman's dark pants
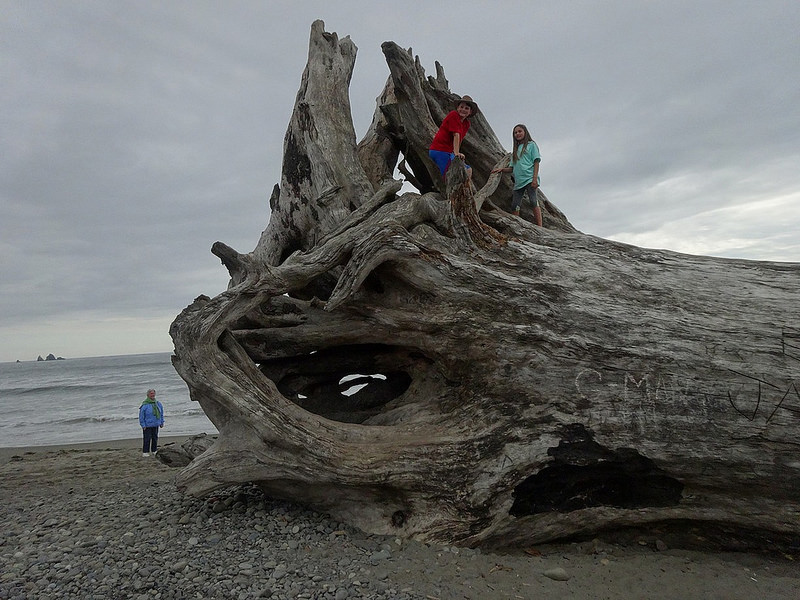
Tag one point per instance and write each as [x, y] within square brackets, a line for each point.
[150, 439]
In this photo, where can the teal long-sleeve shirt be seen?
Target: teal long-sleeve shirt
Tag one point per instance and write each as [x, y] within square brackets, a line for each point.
[523, 167]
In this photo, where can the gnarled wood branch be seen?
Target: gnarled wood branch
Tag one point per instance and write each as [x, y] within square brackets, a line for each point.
[415, 365]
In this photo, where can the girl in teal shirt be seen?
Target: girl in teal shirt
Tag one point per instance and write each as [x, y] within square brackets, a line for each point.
[525, 165]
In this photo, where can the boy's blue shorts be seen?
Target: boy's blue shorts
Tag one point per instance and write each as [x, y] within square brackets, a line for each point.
[442, 159]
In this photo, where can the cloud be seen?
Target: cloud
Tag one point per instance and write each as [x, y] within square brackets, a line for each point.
[134, 135]
[766, 228]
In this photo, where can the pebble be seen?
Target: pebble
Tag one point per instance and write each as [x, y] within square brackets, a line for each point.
[556, 574]
[153, 543]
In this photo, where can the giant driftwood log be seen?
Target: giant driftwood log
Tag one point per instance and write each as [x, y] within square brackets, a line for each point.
[427, 365]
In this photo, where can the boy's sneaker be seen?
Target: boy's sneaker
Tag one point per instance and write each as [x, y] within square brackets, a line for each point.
[145, 454]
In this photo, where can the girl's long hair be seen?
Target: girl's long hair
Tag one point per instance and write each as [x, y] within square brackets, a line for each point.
[522, 143]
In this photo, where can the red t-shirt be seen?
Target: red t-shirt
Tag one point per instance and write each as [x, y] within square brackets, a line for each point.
[452, 124]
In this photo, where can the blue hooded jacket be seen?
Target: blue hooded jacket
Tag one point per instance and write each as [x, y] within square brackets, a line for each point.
[147, 418]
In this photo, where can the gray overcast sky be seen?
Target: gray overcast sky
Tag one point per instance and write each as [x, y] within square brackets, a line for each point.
[135, 134]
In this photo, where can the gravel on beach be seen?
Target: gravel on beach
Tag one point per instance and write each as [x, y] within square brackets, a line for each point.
[102, 523]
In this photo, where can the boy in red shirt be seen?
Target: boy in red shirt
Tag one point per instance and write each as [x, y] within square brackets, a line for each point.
[446, 143]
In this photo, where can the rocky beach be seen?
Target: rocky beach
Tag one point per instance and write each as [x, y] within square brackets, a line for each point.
[99, 521]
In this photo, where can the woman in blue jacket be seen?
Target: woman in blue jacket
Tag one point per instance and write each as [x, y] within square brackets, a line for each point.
[151, 418]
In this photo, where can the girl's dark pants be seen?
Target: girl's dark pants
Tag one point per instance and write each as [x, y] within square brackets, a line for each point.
[150, 435]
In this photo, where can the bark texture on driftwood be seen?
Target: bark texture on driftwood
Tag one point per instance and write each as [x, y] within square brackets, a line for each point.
[429, 366]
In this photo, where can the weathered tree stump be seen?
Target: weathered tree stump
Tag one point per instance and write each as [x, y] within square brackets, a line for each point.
[429, 366]
[176, 455]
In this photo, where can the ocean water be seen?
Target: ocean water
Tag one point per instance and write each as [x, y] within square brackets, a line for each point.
[92, 400]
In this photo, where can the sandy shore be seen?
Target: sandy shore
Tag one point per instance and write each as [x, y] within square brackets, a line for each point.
[7, 453]
[41, 485]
